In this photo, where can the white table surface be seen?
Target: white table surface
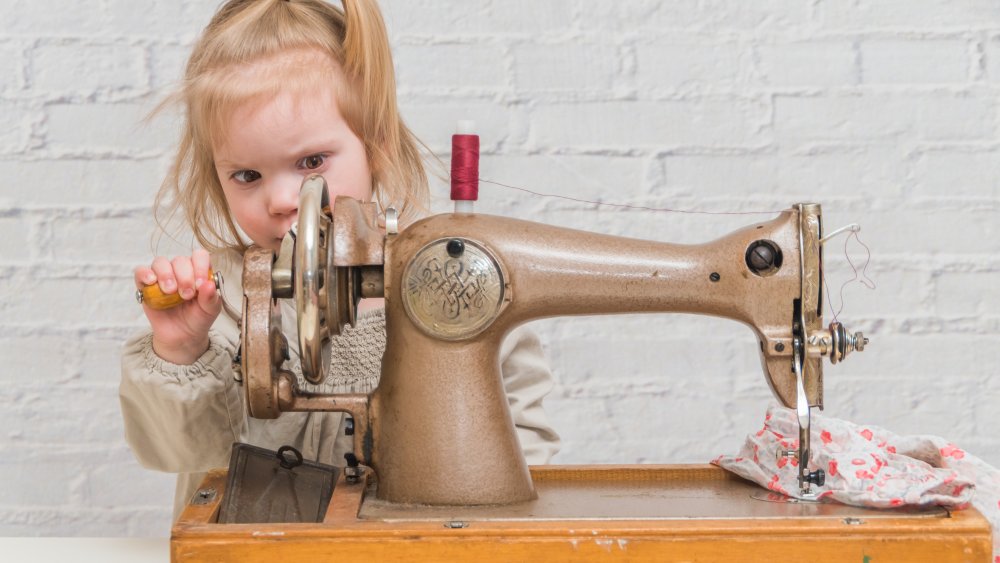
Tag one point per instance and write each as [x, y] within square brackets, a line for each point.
[85, 550]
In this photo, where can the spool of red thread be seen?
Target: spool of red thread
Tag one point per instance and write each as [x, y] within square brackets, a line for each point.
[465, 163]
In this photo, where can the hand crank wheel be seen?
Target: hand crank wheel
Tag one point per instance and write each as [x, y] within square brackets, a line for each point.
[310, 279]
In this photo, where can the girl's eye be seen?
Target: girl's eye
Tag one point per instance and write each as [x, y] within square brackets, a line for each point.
[312, 162]
[246, 176]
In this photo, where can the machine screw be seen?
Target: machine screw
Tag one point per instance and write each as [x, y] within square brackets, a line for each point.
[817, 477]
[763, 257]
[455, 247]
[204, 496]
[851, 521]
[352, 472]
[715, 276]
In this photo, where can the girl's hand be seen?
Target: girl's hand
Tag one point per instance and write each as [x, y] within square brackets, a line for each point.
[180, 334]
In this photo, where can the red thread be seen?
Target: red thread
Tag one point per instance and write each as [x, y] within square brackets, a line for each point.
[860, 277]
[464, 167]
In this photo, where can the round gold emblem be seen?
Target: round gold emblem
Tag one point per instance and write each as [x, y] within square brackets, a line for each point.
[453, 288]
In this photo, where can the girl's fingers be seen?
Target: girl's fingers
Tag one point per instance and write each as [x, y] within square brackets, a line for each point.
[202, 262]
[143, 276]
[164, 273]
[184, 273]
[208, 297]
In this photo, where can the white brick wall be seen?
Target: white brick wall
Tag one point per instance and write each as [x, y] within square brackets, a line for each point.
[884, 111]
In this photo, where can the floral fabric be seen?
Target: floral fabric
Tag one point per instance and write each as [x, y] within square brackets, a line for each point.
[870, 466]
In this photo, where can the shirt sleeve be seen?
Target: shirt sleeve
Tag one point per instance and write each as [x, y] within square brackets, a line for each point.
[180, 418]
[527, 380]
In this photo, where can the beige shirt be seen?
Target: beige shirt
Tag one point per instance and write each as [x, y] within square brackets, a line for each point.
[185, 418]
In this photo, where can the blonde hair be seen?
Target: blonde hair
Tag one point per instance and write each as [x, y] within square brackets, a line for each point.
[245, 34]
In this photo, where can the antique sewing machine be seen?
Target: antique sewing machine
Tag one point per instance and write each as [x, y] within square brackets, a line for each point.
[437, 471]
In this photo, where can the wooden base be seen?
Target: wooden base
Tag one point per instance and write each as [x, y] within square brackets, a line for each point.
[592, 513]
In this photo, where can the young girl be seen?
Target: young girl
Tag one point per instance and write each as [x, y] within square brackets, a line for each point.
[276, 90]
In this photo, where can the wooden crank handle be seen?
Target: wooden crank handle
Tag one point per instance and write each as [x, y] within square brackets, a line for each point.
[153, 296]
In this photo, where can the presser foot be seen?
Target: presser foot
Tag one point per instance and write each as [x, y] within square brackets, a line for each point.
[771, 496]
[806, 478]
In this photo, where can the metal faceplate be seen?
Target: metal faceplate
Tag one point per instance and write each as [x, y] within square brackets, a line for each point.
[453, 295]
[810, 319]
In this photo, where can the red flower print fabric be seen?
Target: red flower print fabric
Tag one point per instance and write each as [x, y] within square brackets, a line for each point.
[869, 466]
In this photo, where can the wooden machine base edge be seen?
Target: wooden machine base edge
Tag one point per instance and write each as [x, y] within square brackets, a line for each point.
[591, 513]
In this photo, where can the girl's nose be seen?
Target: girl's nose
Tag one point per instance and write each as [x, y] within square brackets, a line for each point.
[284, 196]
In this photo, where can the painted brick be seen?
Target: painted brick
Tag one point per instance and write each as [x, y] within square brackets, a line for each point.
[11, 64]
[763, 16]
[112, 484]
[435, 122]
[65, 416]
[15, 127]
[18, 239]
[103, 527]
[642, 16]
[898, 293]
[628, 125]
[650, 16]
[39, 466]
[860, 173]
[929, 117]
[703, 176]
[167, 63]
[198, 15]
[107, 128]
[39, 358]
[100, 356]
[129, 236]
[585, 177]
[563, 332]
[947, 174]
[75, 182]
[968, 294]
[917, 412]
[48, 18]
[935, 232]
[429, 18]
[909, 15]
[72, 302]
[587, 363]
[903, 357]
[574, 67]
[72, 67]
[433, 67]
[992, 59]
[807, 64]
[672, 64]
[580, 423]
[915, 61]
[157, 18]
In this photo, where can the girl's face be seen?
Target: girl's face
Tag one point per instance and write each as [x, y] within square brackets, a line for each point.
[272, 146]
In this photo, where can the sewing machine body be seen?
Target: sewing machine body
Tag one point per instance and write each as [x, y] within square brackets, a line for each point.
[438, 429]
[441, 473]
[446, 360]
